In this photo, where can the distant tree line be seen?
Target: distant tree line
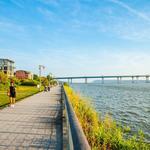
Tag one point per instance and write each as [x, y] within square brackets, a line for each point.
[45, 81]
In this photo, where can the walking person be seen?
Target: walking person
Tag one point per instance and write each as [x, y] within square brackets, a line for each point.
[12, 94]
[49, 88]
[45, 88]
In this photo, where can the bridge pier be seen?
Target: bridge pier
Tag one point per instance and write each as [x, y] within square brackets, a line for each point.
[147, 79]
[71, 80]
[137, 78]
[132, 79]
[68, 81]
[119, 79]
[102, 80]
[85, 80]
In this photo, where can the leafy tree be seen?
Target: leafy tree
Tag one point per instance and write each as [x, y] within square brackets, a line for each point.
[53, 82]
[3, 78]
[50, 77]
[36, 77]
[45, 81]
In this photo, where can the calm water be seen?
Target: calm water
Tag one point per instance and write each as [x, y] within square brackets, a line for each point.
[128, 103]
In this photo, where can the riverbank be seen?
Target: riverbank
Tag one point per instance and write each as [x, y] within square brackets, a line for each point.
[22, 92]
[103, 133]
[127, 103]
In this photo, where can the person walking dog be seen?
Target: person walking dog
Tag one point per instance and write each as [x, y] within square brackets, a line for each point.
[12, 94]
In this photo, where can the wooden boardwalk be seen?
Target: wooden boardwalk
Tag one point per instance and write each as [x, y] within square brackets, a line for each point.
[34, 123]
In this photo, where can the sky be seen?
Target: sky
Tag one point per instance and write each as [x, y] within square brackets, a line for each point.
[77, 37]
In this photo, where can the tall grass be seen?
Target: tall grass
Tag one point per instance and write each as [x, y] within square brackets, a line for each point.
[103, 134]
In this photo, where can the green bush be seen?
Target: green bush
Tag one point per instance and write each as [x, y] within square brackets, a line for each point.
[16, 81]
[4, 86]
[65, 84]
[28, 82]
[3, 78]
[44, 81]
[36, 77]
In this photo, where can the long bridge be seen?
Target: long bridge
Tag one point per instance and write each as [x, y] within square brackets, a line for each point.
[118, 77]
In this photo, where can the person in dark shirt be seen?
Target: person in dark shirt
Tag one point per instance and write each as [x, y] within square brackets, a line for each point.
[12, 94]
[49, 88]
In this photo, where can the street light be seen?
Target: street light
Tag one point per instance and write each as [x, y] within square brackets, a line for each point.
[40, 72]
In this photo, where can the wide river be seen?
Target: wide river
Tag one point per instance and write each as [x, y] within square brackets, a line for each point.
[128, 103]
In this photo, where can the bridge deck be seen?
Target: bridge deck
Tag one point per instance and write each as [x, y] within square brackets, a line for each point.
[102, 77]
[34, 123]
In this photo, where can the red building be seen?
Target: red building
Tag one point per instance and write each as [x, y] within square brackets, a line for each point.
[22, 74]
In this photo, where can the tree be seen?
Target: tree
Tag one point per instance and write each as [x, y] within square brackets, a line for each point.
[35, 77]
[50, 77]
[53, 82]
[45, 81]
[3, 78]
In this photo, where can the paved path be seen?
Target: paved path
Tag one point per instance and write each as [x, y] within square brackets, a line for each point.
[34, 123]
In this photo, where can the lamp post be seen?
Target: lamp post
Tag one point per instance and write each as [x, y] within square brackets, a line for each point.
[40, 73]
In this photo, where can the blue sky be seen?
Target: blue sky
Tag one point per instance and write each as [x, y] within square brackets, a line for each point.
[77, 37]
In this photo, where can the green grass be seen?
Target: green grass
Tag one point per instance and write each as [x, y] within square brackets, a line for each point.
[21, 92]
[103, 134]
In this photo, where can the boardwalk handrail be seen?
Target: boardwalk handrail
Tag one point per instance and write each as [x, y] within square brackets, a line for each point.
[76, 140]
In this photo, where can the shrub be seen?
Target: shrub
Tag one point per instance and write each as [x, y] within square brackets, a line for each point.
[4, 86]
[3, 78]
[53, 82]
[65, 84]
[44, 81]
[36, 77]
[16, 81]
[29, 82]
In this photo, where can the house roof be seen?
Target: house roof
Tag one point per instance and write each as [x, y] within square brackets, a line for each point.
[23, 71]
[7, 60]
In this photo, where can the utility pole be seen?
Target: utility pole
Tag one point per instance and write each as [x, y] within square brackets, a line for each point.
[40, 73]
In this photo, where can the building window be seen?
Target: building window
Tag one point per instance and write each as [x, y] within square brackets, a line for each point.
[5, 68]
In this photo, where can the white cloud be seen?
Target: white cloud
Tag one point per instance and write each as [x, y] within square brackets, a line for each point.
[50, 2]
[132, 10]
[131, 29]
[10, 26]
[49, 15]
[19, 3]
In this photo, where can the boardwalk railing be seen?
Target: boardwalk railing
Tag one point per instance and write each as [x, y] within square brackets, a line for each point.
[76, 139]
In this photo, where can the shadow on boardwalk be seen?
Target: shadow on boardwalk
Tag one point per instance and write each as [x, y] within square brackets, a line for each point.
[34, 123]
